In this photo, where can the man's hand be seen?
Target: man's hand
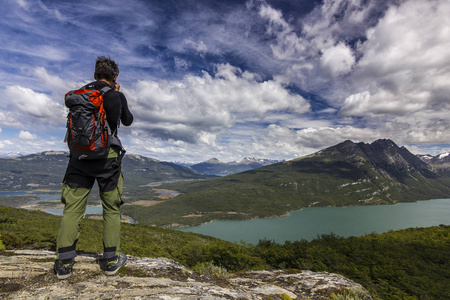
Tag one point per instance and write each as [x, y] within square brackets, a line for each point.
[117, 87]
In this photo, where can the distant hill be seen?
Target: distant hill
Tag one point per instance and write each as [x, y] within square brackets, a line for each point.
[46, 170]
[218, 168]
[140, 170]
[346, 174]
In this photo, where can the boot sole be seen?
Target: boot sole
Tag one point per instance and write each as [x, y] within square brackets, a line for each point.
[110, 273]
[61, 277]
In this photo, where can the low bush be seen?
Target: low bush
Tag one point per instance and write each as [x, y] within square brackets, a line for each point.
[406, 264]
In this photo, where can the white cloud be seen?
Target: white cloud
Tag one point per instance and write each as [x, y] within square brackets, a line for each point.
[6, 146]
[318, 138]
[199, 107]
[402, 80]
[386, 64]
[384, 103]
[22, 3]
[54, 83]
[287, 45]
[337, 60]
[26, 135]
[199, 46]
[39, 51]
[383, 65]
[180, 64]
[336, 20]
[323, 37]
[405, 62]
[31, 108]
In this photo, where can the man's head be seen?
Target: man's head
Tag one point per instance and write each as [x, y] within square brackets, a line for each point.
[106, 68]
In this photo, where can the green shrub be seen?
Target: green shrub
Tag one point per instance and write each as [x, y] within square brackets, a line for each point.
[406, 264]
[10, 240]
[209, 268]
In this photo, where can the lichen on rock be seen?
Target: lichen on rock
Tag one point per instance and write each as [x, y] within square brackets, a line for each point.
[28, 274]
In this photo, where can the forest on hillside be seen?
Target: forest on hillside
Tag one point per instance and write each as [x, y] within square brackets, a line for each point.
[406, 264]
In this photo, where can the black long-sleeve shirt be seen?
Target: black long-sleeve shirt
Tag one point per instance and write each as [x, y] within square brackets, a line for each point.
[115, 105]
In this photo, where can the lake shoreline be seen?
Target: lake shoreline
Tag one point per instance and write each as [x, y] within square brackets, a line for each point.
[178, 226]
[311, 222]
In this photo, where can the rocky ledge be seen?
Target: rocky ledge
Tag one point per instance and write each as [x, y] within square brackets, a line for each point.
[28, 274]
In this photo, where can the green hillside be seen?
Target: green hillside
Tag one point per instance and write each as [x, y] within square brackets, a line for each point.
[46, 170]
[407, 264]
[338, 176]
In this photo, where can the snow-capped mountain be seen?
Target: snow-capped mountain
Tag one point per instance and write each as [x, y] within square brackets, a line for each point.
[439, 159]
[214, 166]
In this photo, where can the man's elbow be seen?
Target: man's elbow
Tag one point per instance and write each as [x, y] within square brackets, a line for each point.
[128, 121]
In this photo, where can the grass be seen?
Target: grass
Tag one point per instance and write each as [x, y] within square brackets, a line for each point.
[406, 264]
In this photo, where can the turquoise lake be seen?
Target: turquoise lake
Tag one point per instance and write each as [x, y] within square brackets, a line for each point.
[310, 222]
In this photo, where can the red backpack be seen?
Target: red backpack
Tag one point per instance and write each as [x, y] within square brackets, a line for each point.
[88, 133]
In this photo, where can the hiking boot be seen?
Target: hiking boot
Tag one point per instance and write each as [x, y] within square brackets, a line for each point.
[63, 268]
[113, 265]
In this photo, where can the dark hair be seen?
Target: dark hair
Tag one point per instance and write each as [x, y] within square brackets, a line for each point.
[105, 68]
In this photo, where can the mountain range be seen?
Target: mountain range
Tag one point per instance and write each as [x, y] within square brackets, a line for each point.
[46, 170]
[345, 174]
[214, 166]
[440, 163]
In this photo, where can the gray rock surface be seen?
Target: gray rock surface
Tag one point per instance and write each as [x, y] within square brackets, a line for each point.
[28, 274]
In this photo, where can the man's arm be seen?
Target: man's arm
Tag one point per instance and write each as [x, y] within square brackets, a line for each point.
[127, 117]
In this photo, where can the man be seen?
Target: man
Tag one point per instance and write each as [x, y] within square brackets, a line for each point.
[81, 175]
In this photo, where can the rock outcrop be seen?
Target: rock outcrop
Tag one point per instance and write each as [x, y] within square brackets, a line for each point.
[27, 274]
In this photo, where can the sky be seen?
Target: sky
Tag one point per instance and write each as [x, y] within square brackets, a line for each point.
[274, 79]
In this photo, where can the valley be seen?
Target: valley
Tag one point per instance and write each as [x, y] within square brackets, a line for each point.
[170, 195]
[347, 174]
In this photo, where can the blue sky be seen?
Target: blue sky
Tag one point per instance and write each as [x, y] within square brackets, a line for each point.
[231, 79]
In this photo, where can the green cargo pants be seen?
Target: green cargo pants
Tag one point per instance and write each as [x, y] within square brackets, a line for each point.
[78, 181]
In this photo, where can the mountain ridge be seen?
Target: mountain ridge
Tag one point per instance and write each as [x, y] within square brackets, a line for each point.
[213, 166]
[342, 175]
[45, 170]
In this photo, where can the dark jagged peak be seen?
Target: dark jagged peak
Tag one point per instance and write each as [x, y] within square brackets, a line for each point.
[384, 144]
[388, 154]
[399, 162]
[383, 154]
[346, 150]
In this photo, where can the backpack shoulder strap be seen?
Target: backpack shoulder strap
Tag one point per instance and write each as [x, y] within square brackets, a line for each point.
[105, 89]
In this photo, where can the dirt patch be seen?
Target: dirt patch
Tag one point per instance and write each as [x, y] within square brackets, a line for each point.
[204, 214]
[8, 287]
[192, 216]
[145, 202]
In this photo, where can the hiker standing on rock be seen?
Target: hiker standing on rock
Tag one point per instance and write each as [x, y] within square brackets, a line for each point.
[95, 154]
